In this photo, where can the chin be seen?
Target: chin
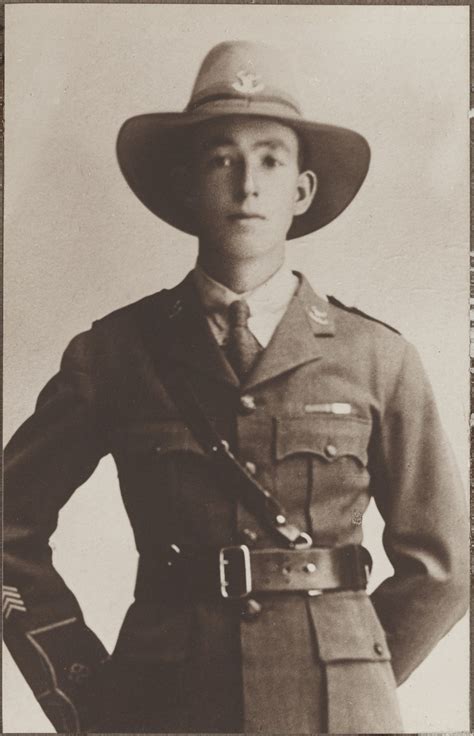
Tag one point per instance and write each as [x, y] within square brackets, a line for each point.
[245, 248]
[238, 245]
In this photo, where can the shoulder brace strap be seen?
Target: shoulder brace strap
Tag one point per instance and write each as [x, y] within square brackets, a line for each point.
[360, 313]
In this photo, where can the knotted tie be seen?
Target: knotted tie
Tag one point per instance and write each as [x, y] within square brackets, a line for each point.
[243, 348]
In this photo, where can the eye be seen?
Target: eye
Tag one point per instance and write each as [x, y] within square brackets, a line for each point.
[220, 161]
[271, 162]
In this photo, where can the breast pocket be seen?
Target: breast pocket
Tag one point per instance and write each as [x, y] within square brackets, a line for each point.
[158, 438]
[157, 462]
[169, 484]
[327, 438]
[320, 458]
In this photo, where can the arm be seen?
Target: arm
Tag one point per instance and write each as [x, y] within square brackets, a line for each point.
[53, 453]
[419, 494]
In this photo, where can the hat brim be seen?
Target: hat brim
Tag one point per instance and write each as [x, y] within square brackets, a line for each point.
[150, 147]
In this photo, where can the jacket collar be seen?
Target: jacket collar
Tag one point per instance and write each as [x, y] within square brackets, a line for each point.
[294, 343]
[192, 341]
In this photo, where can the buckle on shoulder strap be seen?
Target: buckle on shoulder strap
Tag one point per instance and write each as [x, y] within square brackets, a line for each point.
[235, 573]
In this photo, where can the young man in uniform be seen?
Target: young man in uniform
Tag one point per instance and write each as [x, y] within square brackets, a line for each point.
[251, 422]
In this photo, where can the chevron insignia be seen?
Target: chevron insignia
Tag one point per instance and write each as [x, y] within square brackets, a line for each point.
[12, 600]
[175, 309]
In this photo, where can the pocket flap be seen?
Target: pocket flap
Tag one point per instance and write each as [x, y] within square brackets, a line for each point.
[161, 437]
[347, 628]
[328, 437]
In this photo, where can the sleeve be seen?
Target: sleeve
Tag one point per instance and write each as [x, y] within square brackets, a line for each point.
[52, 453]
[420, 496]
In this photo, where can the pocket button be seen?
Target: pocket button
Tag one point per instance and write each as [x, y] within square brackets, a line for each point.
[378, 648]
[330, 450]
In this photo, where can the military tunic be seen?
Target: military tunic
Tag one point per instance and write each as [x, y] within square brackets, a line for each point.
[302, 663]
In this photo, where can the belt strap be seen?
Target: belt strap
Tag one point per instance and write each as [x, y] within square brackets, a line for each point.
[235, 572]
[316, 568]
[235, 477]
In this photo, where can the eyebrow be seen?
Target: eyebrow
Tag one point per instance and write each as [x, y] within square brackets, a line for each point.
[272, 143]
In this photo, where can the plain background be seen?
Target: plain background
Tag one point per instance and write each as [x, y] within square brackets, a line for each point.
[79, 244]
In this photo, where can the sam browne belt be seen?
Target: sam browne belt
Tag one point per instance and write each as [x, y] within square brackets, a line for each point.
[234, 572]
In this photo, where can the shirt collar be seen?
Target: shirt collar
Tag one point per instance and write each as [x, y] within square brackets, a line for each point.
[271, 296]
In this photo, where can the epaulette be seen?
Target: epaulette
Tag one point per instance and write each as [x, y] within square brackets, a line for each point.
[360, 313]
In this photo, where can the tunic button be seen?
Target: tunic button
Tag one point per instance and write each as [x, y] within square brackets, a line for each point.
[330, 450]
[247, 403]
[250, 467]
[248, 536]
[378, 648]
[250, 609]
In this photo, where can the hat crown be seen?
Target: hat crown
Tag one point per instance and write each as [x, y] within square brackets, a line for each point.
[245, 70]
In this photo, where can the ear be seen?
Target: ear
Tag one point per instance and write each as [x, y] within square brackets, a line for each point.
[182, 186]
[306, 187]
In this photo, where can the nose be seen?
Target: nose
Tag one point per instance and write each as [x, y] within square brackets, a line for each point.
[247, 184]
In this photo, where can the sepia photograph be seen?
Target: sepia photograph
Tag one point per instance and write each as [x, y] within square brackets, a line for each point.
[236, 369]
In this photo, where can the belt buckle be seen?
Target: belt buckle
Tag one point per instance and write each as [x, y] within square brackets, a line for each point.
[235, 581]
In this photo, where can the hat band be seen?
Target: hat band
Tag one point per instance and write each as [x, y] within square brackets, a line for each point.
[222, 96]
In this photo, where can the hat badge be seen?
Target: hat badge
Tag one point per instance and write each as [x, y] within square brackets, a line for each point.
[248, 83]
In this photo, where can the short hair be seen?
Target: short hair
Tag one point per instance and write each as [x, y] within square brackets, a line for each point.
[301, 150]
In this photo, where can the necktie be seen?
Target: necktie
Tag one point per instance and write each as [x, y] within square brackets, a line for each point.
[243, 348]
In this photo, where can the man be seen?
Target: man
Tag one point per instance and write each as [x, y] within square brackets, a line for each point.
[251, 422]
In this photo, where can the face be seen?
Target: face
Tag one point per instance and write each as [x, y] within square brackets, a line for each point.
[247, 185]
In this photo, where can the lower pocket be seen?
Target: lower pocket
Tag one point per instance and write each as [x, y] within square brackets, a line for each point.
[143, 697]
[361, 689]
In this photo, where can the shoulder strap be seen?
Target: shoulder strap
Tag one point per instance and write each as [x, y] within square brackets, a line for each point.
[233, 475]
[360, 313]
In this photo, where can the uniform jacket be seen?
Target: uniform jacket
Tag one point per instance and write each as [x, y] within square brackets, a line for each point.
[324, 467]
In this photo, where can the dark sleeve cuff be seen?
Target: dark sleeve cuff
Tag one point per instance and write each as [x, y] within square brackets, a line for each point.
[65, 665]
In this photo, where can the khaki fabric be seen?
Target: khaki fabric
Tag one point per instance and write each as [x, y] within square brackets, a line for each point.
[303, 664]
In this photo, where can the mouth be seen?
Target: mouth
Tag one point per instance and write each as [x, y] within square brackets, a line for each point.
[242, 216]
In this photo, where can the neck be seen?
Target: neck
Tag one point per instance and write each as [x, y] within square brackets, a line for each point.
[241, 275]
